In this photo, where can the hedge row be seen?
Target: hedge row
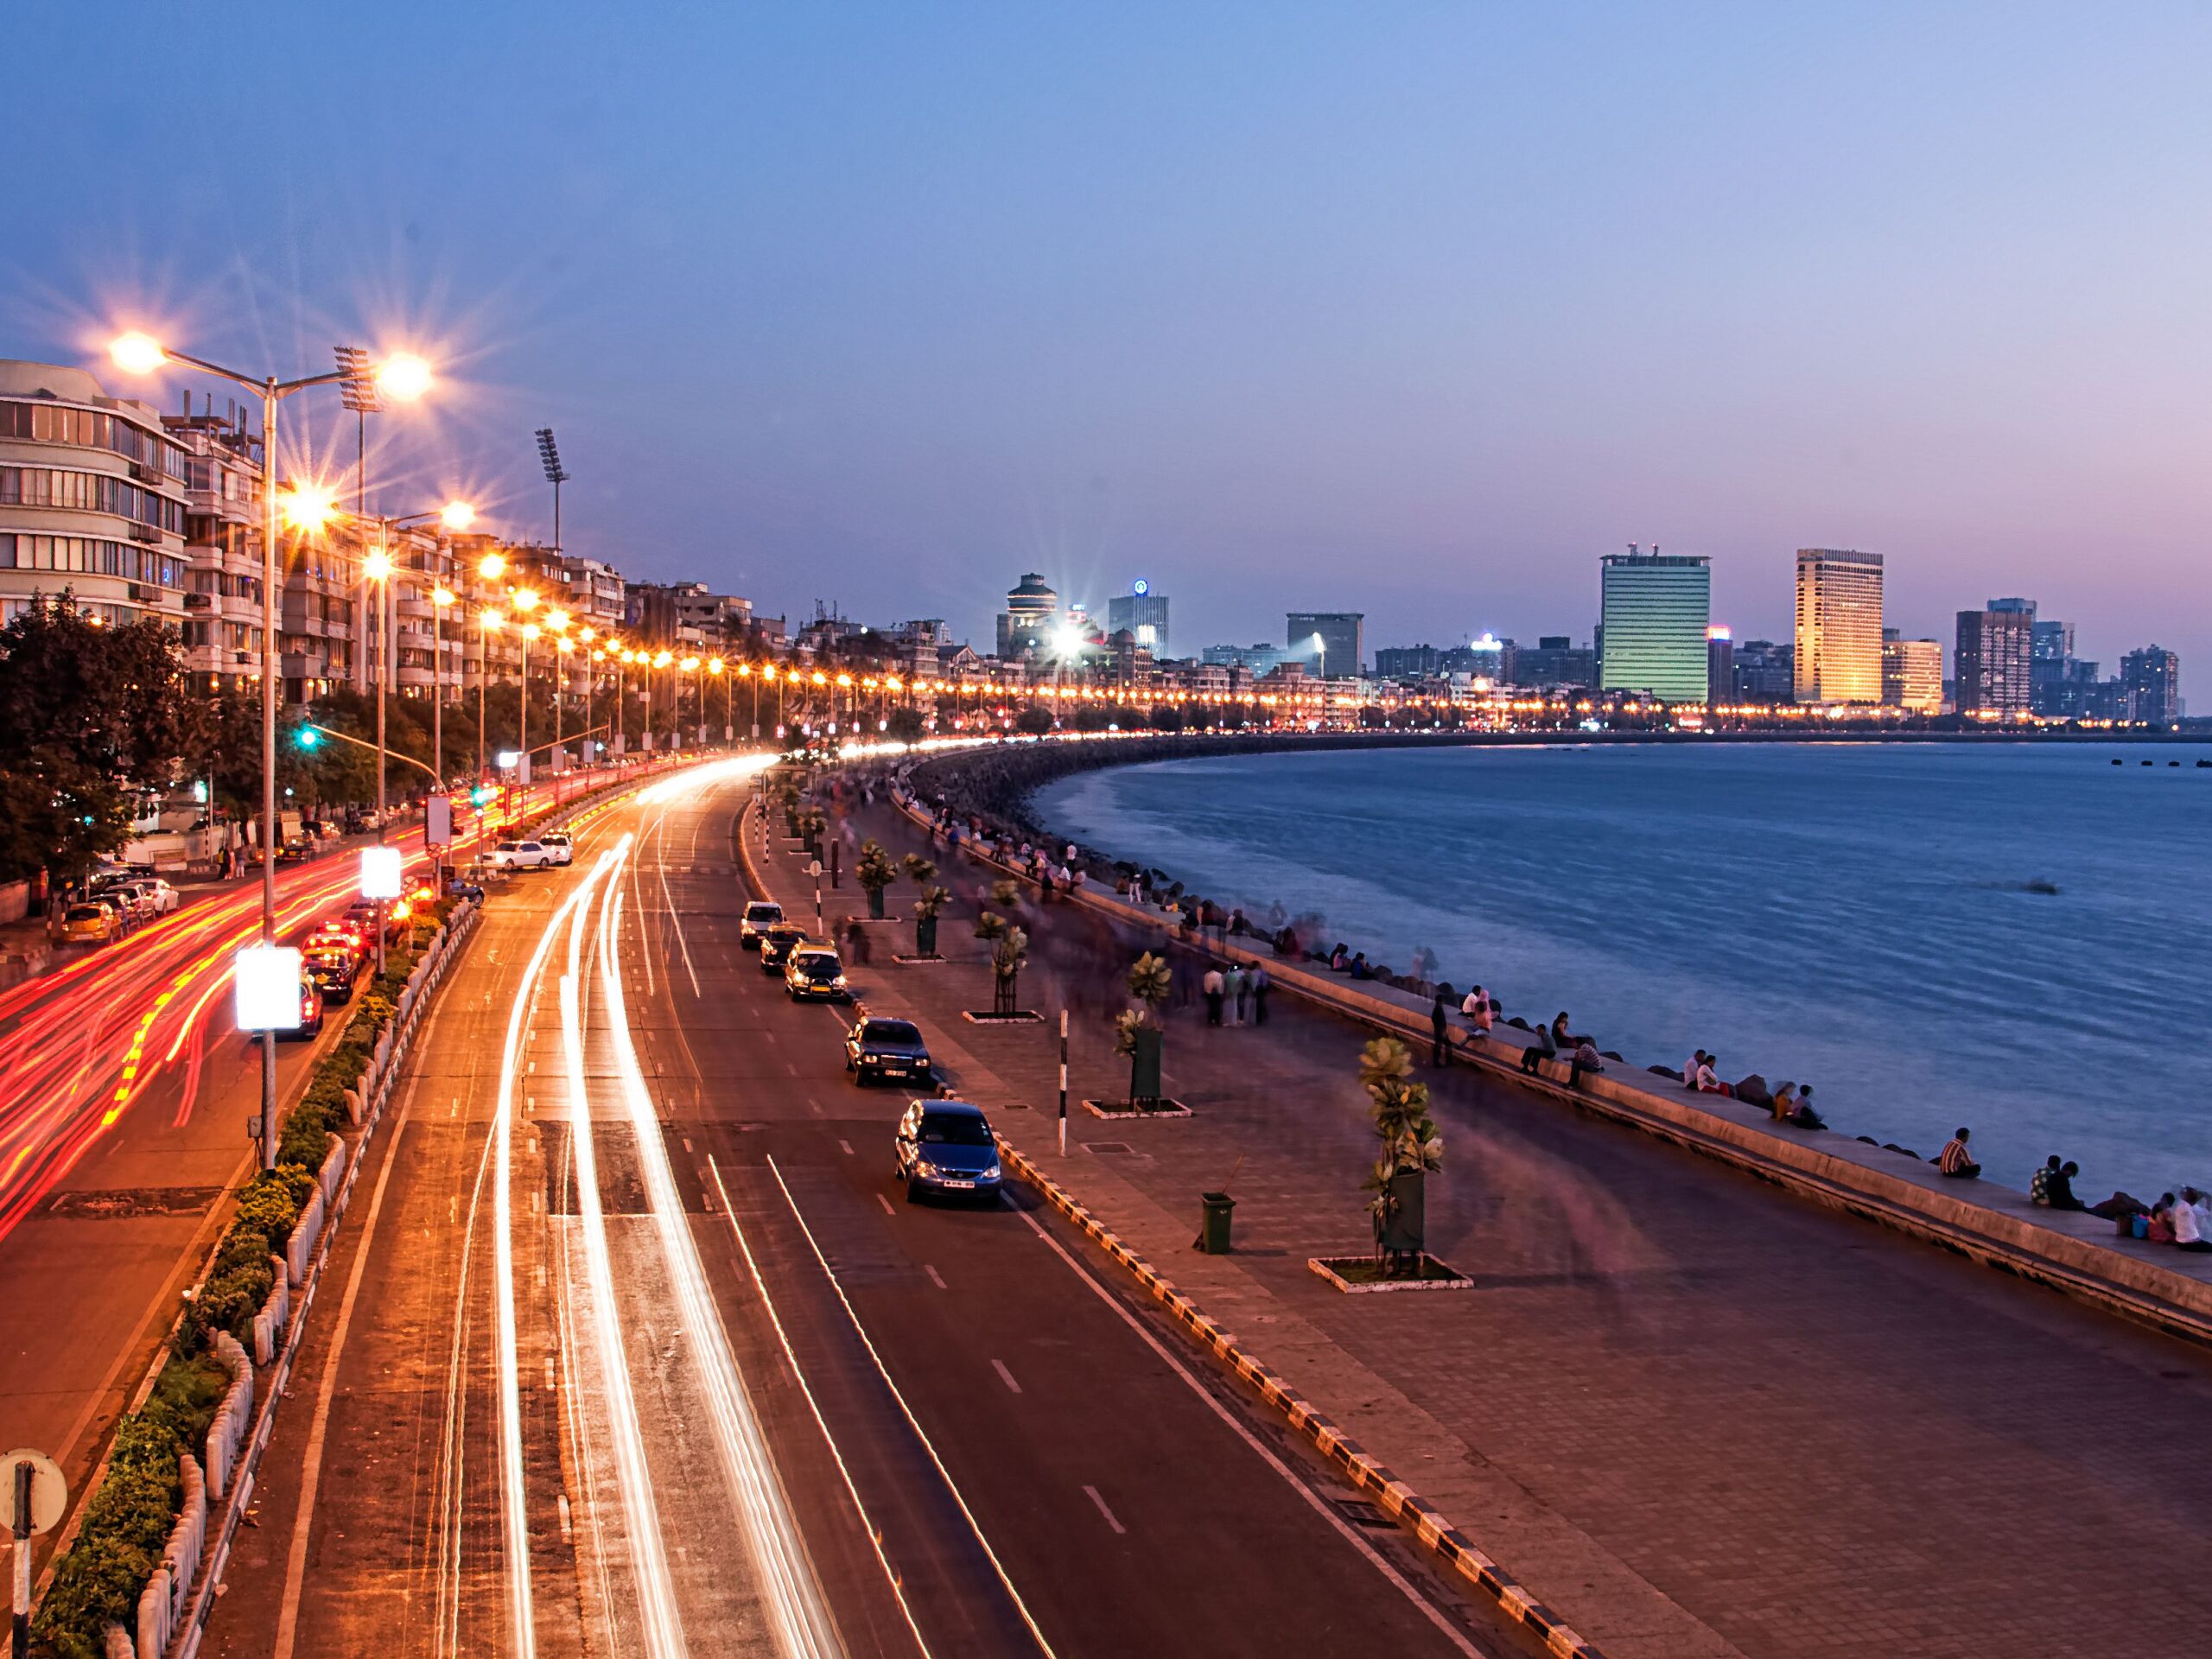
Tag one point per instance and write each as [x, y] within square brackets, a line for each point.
[128, 1521]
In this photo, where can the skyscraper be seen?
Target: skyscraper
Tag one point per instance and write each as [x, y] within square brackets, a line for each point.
[1839, 625]
[1656, 608]
[1912, 674]
[1993, 661]
[1719, 665]
[1342, 637]
[1142, 613]
[2150, 685]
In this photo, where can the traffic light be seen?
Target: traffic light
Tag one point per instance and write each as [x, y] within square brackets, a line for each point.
[307, 737]
[483, 794]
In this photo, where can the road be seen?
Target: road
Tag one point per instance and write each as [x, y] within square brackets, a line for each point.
[125, 1093]
[639, 1349]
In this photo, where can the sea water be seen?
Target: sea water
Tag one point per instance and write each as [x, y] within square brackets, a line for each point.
[2011, 936]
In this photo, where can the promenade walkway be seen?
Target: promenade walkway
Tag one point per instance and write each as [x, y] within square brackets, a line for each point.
[1692, 1413]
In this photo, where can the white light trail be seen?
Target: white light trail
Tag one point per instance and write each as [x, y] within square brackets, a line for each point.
[663, 1624]
[798, 1615]
[515, 1520]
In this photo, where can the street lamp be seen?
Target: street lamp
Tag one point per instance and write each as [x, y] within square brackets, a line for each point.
[381, 569]
[525, 600]
[403, 378]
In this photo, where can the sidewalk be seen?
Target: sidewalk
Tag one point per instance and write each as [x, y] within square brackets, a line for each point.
[1692, 1414]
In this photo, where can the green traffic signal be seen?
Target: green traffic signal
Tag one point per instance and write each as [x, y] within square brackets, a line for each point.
[309, 737]
[482, 795]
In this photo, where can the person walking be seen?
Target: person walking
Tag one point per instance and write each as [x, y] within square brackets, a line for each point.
[1440, 1032]
[1211, 985]
[1258, 981]
[1240, 988]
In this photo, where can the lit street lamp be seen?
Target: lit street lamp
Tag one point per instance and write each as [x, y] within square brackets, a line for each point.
[403, 378]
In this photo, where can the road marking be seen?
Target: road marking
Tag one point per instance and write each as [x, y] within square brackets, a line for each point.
[686, 1143]
[1005, 1376]
[907, 1411]
[886, 1203]
[1435, 1615]
[1119, 1530]
[846, 1147]
[938, 1278]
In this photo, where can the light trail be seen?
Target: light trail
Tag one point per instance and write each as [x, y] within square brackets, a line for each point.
[663, 1624]
[799, 1618]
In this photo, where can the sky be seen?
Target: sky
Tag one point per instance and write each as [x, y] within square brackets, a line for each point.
[1408, 308]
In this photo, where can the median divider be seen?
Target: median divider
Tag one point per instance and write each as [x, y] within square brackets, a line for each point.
[1448, 1543]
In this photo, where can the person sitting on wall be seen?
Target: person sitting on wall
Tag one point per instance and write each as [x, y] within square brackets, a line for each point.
[2039, 1183]
[1801, 1115]
[1566, 1039]
[1691, 1067]
[1585, 1062]
[1359, 969]
[1542, 1048]
[1339, 958]
[1955, 1160]
[2188, 1222]
[1708, 1080]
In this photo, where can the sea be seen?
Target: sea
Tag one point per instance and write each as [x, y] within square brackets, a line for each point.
[2013, 937]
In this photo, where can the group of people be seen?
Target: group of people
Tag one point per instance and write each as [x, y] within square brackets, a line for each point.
[2184, 1222]
[1233, 993]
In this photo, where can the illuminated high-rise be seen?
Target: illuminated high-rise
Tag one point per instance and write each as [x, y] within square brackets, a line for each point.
[1839, 625]
[1656, 608]
[1912, 673]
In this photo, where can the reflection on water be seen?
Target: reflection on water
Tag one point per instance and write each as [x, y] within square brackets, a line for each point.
[2011, 936]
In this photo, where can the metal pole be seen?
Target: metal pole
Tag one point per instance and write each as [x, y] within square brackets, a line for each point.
[522, 740]
[483, 673]
[271, 577]
[20, 1638]
[1063, 1082]
[438, 728]
[817, 898]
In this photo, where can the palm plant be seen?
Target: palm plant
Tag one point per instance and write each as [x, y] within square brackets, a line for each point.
[812, 821]
[1137, 1031]
[928, 904]
[1009, 951]
[874, 871]
[1412, 1146]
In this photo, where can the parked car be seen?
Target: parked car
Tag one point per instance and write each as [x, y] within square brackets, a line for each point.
[297, 850]
[459, 886]
[777, 944]
[166, 898]
[335, 966]
[523, 855]
[760, 915]
[563, 848]
[946, 1147]
[92, 922]
[876, 1049]
[815, 971]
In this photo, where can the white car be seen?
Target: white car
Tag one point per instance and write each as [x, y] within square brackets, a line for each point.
[565, 851]
[523, 855]
[164, 897]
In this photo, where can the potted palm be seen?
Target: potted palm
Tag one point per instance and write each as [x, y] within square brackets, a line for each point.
[1138, 1034]
[929, 901]
[874, 872]
[1412, 1146]
[1009, 951]
[811, 822]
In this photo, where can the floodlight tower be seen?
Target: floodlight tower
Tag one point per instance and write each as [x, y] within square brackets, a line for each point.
[548, 455]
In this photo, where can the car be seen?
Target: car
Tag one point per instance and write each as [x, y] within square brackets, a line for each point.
[460, 886]
[366, 914]
[310, 1009]
[92, 922]
[356, 934]
[815, 970]
[148, 896]
[876, 1049]
[166, 898]
[523, 855]
[946, 1148]
[778, 942]
[131, 901]
[336, 967]
[563, 850]
[760, 915]
[297, 850]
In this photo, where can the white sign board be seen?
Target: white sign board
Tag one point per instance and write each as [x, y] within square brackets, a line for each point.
[49, 1492]
[380, 871]
[265, 987]
[437, 821]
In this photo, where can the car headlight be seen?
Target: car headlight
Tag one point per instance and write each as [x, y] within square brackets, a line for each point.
[990, 1171]
[839, 982]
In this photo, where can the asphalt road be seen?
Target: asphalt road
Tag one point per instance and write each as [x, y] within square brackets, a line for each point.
[753, 1402]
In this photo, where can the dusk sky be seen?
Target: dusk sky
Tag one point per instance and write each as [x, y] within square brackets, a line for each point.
[1410, 308]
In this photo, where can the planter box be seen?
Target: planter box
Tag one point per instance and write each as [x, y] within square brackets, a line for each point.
[1346, 1273]
[1122, 1111]
[1019, 1017]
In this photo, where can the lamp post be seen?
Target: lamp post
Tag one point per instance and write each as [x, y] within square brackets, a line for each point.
[403, 377]
[380, 568]
[690, 665]
[729, 727]
[557, 624]
[525, 600]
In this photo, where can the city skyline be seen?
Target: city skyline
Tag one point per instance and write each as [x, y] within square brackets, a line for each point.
[839, 333]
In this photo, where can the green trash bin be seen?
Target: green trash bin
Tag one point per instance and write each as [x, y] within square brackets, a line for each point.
[1213, 1234]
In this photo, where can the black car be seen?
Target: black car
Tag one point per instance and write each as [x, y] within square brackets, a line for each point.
[777, 944]
[946, 1146]
[335, 970]
[876, 1049]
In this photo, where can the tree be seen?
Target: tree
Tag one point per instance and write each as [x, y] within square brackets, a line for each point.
[1036, 720]
[904, 726]
[874, 871]
[90, 715]
[1412, 1146]
[930, 901]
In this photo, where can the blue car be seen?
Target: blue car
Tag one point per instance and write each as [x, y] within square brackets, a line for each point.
[946, 1147]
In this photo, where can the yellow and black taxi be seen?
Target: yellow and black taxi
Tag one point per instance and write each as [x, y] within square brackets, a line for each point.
[815, 973]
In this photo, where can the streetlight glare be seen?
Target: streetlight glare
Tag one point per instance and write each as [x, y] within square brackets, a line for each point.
[378, 565]
[663, 659]
[404, 376]
[442, 596]
[494, 622]
[309, 506]
[458, 515]
[1068, 641]
[530, 630]
[556, 620]
[525, 599]
[491, 566]
[136, 353]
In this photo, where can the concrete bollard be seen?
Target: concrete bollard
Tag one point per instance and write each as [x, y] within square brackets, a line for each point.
[299, 1249]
